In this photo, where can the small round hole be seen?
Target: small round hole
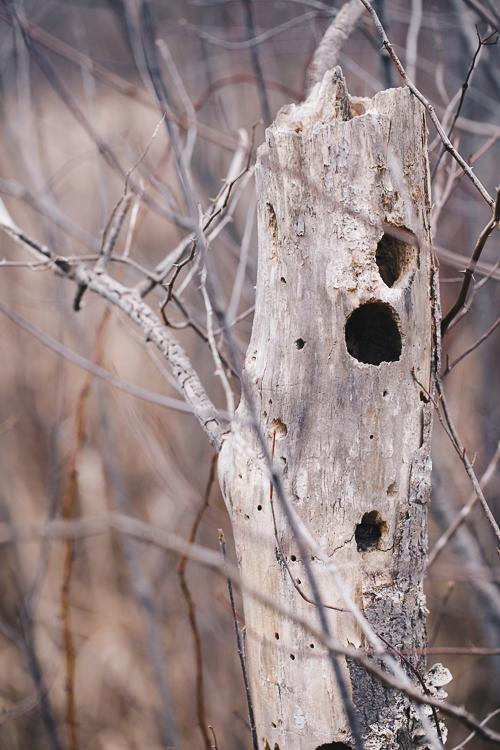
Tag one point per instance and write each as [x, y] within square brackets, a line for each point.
[273, 724]
[259, 507]
[277, 636]
[292, 657]
[371, 437]
[300, 343]
[312, 645]
[293, 558]
[283, 280]
[385, 394]
[299, 581]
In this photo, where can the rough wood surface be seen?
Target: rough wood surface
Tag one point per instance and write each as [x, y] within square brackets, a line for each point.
[343, 314]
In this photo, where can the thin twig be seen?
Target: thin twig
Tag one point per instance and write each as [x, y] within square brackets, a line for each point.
[471, 348]
[446, 536]
[67, 513]
[465, 460]
[251, 719]
[430, 109]
[181, 570]
[473, 734]
[465, 86]
[86, 364]
[462, 295]
[214, 746]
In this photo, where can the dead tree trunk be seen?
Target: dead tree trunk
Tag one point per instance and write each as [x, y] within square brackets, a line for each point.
[343, 314]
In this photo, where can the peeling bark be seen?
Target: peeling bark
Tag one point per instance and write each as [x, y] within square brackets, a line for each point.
[343, 313]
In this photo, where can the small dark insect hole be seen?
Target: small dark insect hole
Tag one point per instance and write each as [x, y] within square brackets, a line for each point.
[299, 581]
[273, 724]
[283, 280]
[393, 258]
[424, 398]
[300, 343]
[385, 394]
[277, 636]
[369, 531]
[292, 657]
[293, 558]
[371, 437]
[259, 507]
[312, 645]
[372, 335]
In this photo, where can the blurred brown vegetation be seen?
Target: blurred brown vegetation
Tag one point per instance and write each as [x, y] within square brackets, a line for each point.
[135, 667]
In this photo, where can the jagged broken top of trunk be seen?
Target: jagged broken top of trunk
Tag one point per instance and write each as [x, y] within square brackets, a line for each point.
[328, 100]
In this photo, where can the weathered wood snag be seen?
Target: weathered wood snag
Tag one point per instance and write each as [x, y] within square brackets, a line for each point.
[343, 314]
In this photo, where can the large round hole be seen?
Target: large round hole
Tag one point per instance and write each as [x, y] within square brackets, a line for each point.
[372, 334]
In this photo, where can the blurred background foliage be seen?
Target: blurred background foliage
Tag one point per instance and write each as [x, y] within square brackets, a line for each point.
[73, 91]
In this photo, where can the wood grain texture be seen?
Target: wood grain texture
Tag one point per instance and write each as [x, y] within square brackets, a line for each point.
[343, 203]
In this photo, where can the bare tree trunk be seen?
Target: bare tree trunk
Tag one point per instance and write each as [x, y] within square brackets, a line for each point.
[344, 312]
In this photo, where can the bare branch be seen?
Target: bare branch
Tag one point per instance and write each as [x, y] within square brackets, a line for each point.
[137, 310]
[328, 51]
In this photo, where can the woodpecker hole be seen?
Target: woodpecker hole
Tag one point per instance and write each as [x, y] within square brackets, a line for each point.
[393, 259]
[369, 531]
[259, 507]
[372, 335]
[334, 746]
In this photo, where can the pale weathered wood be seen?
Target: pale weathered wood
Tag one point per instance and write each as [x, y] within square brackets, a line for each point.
[335, 385]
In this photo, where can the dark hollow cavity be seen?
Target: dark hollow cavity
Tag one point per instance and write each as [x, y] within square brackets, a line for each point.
[368, 532]
[372, 335]
[393, 258]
